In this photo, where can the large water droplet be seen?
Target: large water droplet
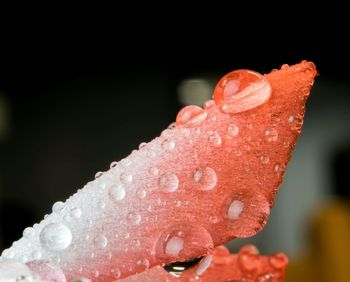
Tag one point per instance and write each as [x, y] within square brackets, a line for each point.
[55, 237]
[215, 139]
[116, 192]
[191, 115]
[271, 134]
[235, 209]
[168, 182]
[206, 178]
[242, 90]
[101, 241]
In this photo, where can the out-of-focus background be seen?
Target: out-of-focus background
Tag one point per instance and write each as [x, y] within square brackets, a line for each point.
[67, 111]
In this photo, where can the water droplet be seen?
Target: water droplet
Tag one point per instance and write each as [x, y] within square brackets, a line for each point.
[116, 192]
[242, 90]
[177, 203]
[101, 241]
[213, 219]
[101, 204]
[125, 178]
[168, 145]
[203, 265]
[233, 130]
[191, 115]
[264, 278]
[248, 262]
[168, 182]
[141, 194]
[235, 209]
[58, 207]
[96, 273]
[264, 159]
[134, 218]
[182, 240]
[116, 273]
[209, 104]
[28, 232]
[296, 122]
[236, 152]
[278, 261]
[206, 178]
[277, 168]
[135, 242]
[75, 212]
[98, 174]
[291, 119]
[113, 164]
[143, 262]
[271, 135]
[215, 139]
[125, 162]
[153, 171]
[249, 249]
[55, 237]
[286, 144]
[142, 145]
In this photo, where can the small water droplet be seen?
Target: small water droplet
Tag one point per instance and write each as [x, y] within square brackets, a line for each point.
[168, 145]
[278, 261]
[101, 204]
[125, 178]
[206, 178]
[75, 212]
[296, 122]
[92, 255]
[134, 218]
[264, 278]
[286, 144]
[58, 207]
[116, 192]
[248, 262]
[236, 152]
[271, 134]
[277, 168]
[101, 241]
[177, 203]
[142, 145]
[55, 237]
[143, 262]
[153, 171]
[141, 194]
[116, 273]
[135, 242]
[191, 115]
[235, 209]
[209, 104]
[98, 174]
[291, 119]
[213, 219]
[28, 232]
[96, 273]
[264, 159]
[113, 164]
[233, 130]
[215, 139]
[169, 182]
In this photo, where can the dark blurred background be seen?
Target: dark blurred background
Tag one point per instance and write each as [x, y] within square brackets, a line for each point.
[68, 109]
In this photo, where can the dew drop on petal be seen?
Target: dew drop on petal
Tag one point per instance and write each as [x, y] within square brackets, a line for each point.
[169, 182]
[271, 134]
[233, 130]
[191, 115]
[55, 237]
[125, 178]
[75, 212]
[134, 218]
[100, 241]
[116, 192]
[168, 145]
[206, 178]
[215, 139]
